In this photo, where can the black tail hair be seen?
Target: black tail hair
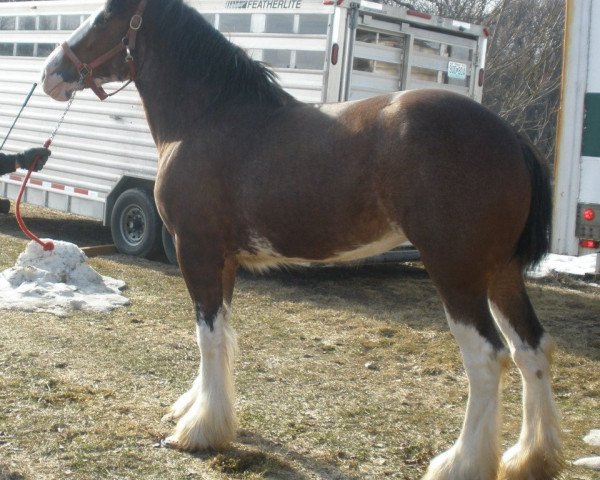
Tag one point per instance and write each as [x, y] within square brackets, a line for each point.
[534, 243]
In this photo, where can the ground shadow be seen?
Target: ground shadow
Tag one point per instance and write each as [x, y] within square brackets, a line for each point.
[568, 307]
[8, 474]
[81, 231]
[253, 453]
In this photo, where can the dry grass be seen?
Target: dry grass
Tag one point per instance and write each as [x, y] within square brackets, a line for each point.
[81, 397]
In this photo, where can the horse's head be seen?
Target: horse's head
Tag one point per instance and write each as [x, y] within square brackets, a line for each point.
[98, 52]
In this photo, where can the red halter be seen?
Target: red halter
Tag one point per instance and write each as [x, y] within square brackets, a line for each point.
[127, 43]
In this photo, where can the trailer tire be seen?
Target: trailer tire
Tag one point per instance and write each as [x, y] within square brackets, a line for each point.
[169, 246]
[135, 224]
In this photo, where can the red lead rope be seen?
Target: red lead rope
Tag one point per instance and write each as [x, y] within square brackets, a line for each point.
[49, 245]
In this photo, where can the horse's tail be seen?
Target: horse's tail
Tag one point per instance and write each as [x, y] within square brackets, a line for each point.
[535, 238]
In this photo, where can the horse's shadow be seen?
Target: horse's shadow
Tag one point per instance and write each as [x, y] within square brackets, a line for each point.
[47, 224]
[404, 294]
[253, 453]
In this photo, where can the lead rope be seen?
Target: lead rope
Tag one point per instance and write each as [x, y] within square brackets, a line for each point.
[48, 246]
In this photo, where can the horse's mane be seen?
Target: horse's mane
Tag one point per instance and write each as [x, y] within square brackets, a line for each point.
[203, 53]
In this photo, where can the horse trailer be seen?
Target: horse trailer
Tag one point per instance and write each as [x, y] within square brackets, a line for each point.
[576, 222]
[104, 161]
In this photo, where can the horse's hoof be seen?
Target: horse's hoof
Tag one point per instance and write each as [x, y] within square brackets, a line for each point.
[172, 442]
[455, 465]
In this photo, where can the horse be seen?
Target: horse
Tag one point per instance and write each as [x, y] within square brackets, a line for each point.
[249, 176]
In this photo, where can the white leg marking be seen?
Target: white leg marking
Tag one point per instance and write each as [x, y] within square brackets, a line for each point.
[184, 402]
[538, 453]
[209, 420]
[475, 455]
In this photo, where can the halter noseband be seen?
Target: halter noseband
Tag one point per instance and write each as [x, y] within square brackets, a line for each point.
[127, 43]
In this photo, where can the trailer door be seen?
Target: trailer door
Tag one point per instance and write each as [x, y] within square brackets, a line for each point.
[387, 56]
[440, 60]
[378, 58]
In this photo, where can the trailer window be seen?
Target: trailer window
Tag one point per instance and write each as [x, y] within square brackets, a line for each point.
[24, 49]
[45, 49]
[313, 24]
[443, 50]
[278, 23]
[48, 22]
[376, 66]
[234, 22]
[391, 41]
[366, 36]
[429, 48]
[278, 58]
[310, 60]
[210, 18]
[26, 23]
[7, 49]
[460, 53]
[7, 23]
[70, 22]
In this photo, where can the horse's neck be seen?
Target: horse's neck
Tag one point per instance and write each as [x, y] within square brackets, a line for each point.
[174, 102]
[170, 102]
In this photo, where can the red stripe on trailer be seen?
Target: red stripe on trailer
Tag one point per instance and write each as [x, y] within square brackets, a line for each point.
[35, 181]
[81, 191]
[416, 13]
[57, 186]
[16, 178]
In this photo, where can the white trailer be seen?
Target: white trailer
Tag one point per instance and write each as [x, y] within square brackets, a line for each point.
[104, 160]
[576, 217]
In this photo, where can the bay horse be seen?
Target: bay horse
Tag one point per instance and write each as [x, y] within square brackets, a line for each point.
[249, 176]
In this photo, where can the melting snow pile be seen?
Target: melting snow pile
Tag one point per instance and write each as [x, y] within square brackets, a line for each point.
[592, 438]
[586, 264]
[57, 281]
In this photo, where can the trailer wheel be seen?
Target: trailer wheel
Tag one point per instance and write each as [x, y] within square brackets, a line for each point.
[135, 224]
[169, 246]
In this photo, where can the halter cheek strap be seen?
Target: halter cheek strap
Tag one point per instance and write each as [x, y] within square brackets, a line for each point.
[127, 43]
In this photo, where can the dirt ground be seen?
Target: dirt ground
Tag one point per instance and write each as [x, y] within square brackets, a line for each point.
[345, 373]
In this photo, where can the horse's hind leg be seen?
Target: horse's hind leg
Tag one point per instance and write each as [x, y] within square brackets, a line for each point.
[537, 455]
[206, 417]
[475, 455]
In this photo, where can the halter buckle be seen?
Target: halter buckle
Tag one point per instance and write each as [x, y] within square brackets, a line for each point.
[84, 71]
[136, 22]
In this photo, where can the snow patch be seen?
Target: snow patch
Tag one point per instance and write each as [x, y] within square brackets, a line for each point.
[593, 438]
[593, 463]
[57, 281]
[586, 264]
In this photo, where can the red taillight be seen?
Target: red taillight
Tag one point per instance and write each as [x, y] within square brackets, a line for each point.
[333, 2]
[416, 13]
[486, 31]
[589, 214]
[335, 50]
[589, 244]
[481, 77]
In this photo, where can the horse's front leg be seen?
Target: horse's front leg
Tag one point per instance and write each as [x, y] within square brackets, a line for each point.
[205, 414]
